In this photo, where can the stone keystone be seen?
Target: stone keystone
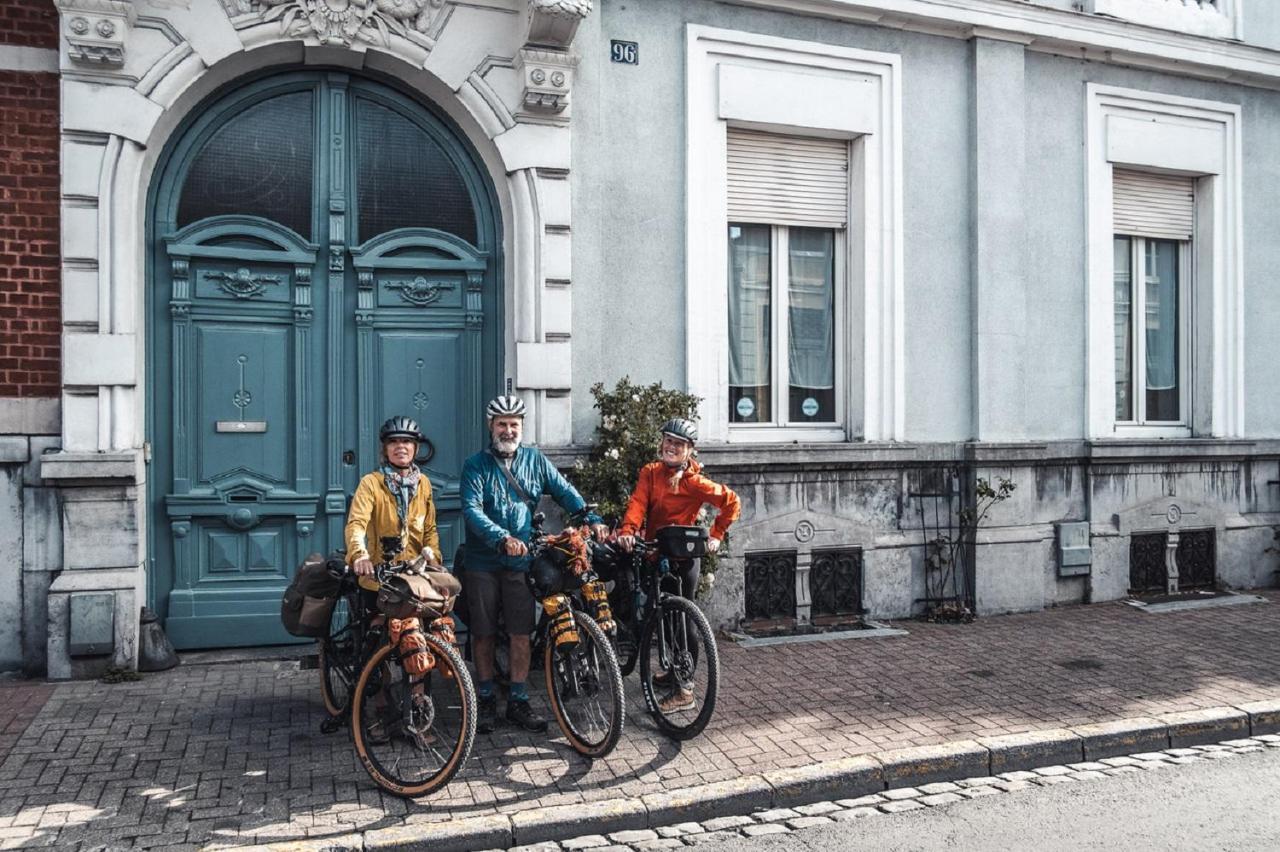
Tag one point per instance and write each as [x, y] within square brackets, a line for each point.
[1123, 737]
[1198, 727]
[1034, 748]
[908, 767]
[559, 822]
[848, 777]
[694, 804]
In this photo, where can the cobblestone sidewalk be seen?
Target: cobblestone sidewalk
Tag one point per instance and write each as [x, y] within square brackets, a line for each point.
[232, 754]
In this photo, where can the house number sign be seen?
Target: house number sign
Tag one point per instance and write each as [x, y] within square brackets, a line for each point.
[626, 52]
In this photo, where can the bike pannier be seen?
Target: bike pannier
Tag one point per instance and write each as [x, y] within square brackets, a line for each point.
[309, 600]
[682, 542]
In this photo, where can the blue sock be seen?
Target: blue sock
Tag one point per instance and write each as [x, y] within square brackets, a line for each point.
[518, 692]
[484, 688]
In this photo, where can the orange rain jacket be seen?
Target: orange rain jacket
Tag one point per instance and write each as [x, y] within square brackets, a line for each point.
[653, 505]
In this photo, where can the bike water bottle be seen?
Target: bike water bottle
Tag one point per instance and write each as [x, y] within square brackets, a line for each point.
[563, 631]
[594, 594]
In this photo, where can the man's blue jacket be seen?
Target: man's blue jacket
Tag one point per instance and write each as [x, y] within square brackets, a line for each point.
[493, 510]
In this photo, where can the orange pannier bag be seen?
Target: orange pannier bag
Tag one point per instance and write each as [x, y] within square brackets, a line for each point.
[407, 636]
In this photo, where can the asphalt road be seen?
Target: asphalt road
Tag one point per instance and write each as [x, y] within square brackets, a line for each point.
[1215, 805]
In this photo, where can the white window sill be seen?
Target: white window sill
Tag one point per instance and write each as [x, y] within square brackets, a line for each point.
[1220, 21]
[785, 435]
[1135, 431]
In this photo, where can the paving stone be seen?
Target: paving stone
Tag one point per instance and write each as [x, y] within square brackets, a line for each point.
[1088, 766]
[901, 794]
[1020, 775]
[1183, 761]
[537, 847]
[721, 823]
[1236, 743]
[635, 835]
[660, 843]
[711, 837]
[764, 829]
[1012, 786]
[939, 787]
[682, 830]
[899, 807]
[1047, 771]
[1268, 738]
[1050, 780]
[853, 814]
[979, 792]
[1122, 770]
[982, 781]
[1119, 761]
[808, 822]
[1151, 757]
[775, 814]
[817, 808]
[861, 801]
[937, 799]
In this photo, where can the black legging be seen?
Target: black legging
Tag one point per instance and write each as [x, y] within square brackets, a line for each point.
[689, 571]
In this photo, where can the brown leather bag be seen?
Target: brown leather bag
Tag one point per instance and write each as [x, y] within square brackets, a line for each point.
[411, 593]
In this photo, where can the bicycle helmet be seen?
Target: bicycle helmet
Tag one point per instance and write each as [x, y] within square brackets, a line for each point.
[399, 427]
[504, 406]
[678, 427]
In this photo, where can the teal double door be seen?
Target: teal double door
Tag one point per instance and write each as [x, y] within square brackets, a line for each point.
[324, 254]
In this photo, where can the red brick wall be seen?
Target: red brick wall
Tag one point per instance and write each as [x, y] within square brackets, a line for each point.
[30, 302]
[33, 23]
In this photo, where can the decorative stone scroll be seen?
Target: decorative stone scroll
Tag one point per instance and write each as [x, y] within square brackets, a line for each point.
[344, 22]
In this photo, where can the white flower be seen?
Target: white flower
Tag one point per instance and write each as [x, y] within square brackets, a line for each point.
[607, 421]
[613, 453]
[635, 397]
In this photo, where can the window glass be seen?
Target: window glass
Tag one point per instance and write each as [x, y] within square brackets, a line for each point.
[405, 180]
[1124, 329]
[259, 163]
[811, 325]
[750, 315]
[1161, 328]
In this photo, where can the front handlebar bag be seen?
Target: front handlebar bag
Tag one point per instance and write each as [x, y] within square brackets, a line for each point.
[682, 542]
[430, 594]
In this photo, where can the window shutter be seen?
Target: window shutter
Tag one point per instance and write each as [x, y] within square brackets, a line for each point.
[788, 180]
[1152, 205]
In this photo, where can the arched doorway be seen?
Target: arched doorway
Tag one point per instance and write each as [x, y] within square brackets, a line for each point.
[324, 253]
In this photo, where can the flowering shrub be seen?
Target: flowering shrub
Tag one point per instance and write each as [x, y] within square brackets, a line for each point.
[626, 440]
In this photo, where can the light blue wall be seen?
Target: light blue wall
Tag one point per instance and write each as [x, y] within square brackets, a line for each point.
[629, 219]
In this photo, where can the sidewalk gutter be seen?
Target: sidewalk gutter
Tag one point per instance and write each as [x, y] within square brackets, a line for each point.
[846, 778]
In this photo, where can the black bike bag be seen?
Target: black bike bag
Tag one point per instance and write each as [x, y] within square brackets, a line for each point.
[682, 542]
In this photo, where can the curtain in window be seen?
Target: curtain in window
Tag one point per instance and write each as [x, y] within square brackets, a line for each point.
[1123, 278]
[1161, 317]
[749, 306]
[811, 308]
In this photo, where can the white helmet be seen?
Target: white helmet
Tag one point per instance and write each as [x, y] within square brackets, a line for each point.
[504, 406]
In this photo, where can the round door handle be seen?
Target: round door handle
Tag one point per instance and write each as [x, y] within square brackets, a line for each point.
[426, 451]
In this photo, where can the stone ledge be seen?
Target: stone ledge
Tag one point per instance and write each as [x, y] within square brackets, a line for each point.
[77, 466]
[455, 835]
[910, 767]
[1264, 716]
[848, 777]
[1201, 727]
[1126, 736]
[1013, 752]
[693, 804]
[563, 821]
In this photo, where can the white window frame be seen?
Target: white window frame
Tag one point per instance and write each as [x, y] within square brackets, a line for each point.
[779, 336]
[1137, 332]
[1220, 20]
[1133, 129]
[799, 88]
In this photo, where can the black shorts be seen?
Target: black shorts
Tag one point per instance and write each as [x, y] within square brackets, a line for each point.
[491, 592]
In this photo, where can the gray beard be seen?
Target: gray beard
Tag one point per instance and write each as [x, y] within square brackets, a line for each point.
[506, 447]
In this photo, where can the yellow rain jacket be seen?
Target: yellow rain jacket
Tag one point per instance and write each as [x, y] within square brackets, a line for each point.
[373, 514]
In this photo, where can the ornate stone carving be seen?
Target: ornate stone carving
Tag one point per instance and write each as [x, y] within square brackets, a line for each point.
[548, 77]
[241, 284]
[96, 30]
[420, 291]
[554, 23]
[344, 22]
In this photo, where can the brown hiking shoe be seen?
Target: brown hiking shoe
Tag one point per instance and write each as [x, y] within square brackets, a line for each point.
[680, 699]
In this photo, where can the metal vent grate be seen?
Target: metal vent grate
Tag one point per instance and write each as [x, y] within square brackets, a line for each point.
[771, 586]
[835, 582]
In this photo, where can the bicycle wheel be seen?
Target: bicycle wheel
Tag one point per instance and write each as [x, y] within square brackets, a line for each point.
[585, 686]
[679, 668]
[627, 647]
[339, 655]
[413, 735]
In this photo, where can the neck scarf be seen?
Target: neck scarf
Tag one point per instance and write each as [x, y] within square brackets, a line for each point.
[403, 487]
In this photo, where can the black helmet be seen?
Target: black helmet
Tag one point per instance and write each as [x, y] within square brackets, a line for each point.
[399, 427]
[678, 427]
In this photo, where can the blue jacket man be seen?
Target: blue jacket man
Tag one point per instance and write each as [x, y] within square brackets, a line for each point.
[495, 555]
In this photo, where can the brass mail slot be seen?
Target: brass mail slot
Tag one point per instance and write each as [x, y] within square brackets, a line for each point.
[243, 426]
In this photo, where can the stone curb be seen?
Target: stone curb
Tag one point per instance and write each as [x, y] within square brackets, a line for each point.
[845, 778]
